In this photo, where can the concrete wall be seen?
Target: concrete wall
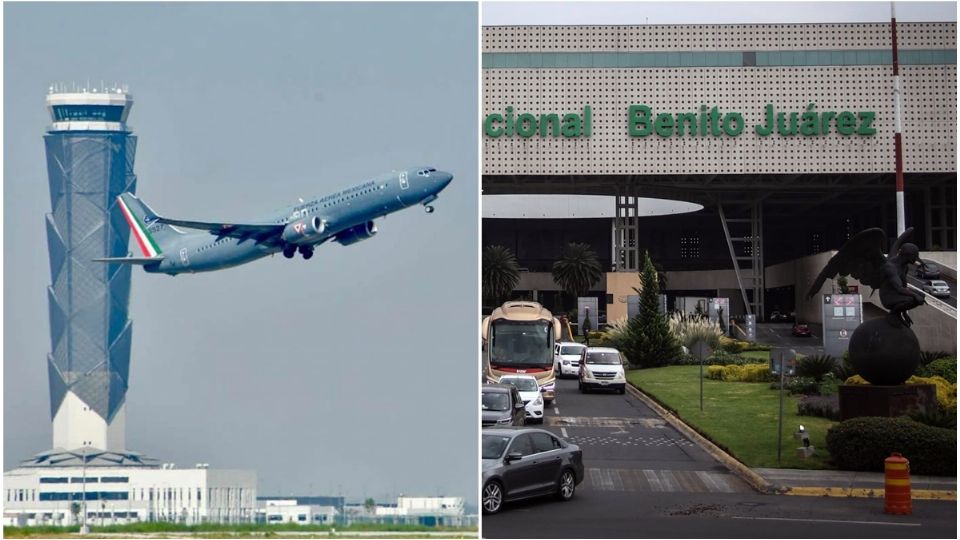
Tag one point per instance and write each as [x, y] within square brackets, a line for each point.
[946, 259]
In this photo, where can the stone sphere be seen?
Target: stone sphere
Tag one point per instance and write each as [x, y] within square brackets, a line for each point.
[884, 353]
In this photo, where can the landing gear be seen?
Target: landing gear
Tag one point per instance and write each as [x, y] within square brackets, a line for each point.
[289, 251]
[428, 208]
[306, 251]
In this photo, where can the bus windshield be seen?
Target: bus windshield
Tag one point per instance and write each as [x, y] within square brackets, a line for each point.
[521, 344]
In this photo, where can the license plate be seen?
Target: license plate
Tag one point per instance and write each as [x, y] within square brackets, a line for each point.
[604, 383]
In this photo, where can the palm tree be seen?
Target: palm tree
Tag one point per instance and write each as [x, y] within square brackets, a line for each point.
[501, 273]
[578, 270]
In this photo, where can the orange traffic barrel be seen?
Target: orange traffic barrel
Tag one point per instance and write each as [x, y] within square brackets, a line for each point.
[896, 471]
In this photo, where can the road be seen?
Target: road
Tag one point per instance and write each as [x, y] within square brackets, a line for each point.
[645, 480]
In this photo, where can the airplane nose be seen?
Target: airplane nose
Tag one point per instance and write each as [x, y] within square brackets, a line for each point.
[443, 179]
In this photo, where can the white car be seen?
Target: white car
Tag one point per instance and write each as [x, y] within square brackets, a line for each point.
[566, 358]
[937, 287]
[529, 393]
[602, 367]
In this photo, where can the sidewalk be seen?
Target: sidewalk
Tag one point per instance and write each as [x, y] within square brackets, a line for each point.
[853, 484]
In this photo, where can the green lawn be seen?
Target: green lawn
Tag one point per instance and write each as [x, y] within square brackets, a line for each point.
[739, 417]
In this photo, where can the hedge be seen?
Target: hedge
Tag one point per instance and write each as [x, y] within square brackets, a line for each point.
[862, 444]
[744, 373]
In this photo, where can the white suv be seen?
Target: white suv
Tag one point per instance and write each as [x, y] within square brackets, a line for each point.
[566, 358]
[602, 367]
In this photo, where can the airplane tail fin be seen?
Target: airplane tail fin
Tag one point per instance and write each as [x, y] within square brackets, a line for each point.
[151, 236]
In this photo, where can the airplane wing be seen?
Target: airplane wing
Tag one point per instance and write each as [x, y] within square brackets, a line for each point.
[131, 260]
[260, 232]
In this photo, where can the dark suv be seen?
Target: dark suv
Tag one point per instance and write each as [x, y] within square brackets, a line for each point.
[501, 405]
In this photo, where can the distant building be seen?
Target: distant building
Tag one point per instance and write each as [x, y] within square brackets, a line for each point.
[123, 488]
[273, 511]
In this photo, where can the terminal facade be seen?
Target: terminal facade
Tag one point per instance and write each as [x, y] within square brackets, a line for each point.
[783, 133]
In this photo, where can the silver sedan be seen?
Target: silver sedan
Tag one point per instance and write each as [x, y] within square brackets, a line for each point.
[519, 463]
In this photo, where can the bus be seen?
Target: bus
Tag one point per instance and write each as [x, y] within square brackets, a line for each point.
[518, 337]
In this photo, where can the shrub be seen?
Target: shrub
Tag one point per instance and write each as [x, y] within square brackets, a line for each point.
[740, 373]
[715, 372]
[688, 330]
[843, 370]
[800, 385]
[815, 366]
[830, 385]
[938, 418]
[929, 356]
[946, 391]
[941, 367]
[726, 359]
[862, 444]
[732, 346]
[821, 406]
[751, 346]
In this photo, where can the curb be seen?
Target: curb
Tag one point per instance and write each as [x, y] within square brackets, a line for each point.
[873, 493]
[756, 481]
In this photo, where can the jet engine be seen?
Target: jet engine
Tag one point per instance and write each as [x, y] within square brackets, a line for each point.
[358, 233]
[304, 231]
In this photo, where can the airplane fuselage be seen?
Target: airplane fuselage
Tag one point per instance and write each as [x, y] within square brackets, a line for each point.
[341, 214]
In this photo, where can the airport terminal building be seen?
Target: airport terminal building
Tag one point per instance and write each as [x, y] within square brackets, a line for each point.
[778, 137]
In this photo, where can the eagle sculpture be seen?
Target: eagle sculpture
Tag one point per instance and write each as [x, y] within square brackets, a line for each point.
[863, 258]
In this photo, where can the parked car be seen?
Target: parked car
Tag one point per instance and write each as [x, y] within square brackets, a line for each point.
[928, 270]
[501, 405]
[937, 287]
[601, 367]
[519, 463]
[801, 330]
[566, 358]
[529, 393]
[778, 316]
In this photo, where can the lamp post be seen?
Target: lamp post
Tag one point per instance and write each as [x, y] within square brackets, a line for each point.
[83, 520]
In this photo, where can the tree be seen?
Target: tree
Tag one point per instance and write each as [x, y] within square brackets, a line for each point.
[842, 284]
[577, 270]
[369, 505]
[75, 510]
[649, 342]
[501, 273]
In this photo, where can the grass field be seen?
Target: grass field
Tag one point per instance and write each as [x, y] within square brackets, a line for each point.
[739, 417]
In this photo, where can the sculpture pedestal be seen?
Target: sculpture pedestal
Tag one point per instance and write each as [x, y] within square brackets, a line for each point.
[889, 401]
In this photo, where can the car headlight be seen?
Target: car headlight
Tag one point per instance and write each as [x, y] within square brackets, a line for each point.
[538, 401]
[566, 362]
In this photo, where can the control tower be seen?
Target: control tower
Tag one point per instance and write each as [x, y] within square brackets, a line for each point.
[90, 151]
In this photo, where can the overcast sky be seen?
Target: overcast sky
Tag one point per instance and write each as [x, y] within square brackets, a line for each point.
[518, 13]
[354, 371]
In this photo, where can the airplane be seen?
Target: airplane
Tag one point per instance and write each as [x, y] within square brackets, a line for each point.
[345, 217]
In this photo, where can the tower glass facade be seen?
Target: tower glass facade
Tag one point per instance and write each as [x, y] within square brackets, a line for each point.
[89, 164]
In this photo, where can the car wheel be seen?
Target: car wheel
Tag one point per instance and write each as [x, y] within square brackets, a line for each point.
[567, 485]
[492, 497]
[623, 390]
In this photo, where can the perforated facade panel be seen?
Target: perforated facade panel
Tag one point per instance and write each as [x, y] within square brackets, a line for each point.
[838, 67]
[89, 330]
